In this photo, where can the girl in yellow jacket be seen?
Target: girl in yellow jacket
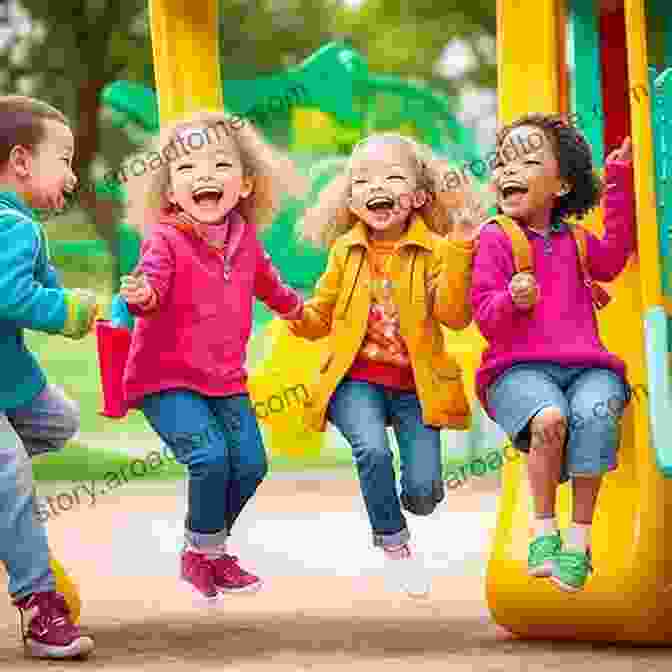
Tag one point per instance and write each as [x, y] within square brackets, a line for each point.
[399, 267]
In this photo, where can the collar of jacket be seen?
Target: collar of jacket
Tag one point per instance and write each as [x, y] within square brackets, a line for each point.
[417, 234]
[236, 225]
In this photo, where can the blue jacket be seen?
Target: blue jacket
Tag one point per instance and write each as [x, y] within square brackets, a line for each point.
[31, 297]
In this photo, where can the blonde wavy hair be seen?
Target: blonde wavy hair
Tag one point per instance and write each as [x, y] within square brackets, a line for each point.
[331, 216]
[273, 173]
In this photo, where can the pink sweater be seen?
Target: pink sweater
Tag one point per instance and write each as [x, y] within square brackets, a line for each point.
[196, 335]
[562, 328]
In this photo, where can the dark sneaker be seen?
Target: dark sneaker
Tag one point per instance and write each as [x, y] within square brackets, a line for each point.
[230, 577]
[51, 632]
[198, 572]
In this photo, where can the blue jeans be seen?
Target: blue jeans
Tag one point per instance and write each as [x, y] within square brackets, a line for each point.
[219, 441]
[591, 400]
[43, 425]
[361, 411]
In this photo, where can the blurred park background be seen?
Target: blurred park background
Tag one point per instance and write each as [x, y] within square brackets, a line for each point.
[438, 56]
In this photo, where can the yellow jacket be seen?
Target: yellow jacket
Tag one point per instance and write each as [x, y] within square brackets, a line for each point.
[432, 280]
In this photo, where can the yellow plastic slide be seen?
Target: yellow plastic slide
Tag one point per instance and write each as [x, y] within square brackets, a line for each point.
[629, 597]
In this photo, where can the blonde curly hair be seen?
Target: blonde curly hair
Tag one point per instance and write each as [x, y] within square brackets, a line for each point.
[331, 216]
[273, 173]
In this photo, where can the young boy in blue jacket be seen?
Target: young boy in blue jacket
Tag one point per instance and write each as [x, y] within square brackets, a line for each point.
[36, 149]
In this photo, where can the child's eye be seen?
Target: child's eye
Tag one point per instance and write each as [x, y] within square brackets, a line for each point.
[359, 181]
[396, 177]
[224, 164]
[530, 162]
[185, 165]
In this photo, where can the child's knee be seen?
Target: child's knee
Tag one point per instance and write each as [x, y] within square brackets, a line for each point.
[421, 500]
[254, 471]
[70, 421]
[548, 429]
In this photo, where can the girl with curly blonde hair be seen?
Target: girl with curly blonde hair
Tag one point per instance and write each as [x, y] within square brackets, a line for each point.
[210, 187]
[401, 248]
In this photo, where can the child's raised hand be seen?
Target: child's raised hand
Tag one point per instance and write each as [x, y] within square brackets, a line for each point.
[623, 153]
[135, 289]
[470, 217]
[524, 290]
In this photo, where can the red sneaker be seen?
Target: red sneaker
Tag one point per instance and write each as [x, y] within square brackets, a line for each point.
[230, 577]
[198, 572]
[51, 632]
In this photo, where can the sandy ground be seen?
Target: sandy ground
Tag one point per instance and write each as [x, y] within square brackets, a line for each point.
[329, 611]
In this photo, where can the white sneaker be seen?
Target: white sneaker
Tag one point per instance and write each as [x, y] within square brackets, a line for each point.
[407, 571]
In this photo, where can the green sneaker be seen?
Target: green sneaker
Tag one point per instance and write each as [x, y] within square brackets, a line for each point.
[541, 554]
[571, 569]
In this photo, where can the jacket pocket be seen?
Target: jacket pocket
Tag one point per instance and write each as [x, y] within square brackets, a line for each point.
[444, 368]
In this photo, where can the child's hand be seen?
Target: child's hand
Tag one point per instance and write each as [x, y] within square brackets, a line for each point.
[135, 289]
[623, 153]
[86, 311]
[468, 219]
[524, 290]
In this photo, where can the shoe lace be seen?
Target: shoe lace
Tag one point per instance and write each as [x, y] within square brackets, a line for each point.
[229, 563]
[576, 561]
[402, 552]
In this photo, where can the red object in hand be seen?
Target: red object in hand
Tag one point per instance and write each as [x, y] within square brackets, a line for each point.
[114, 344]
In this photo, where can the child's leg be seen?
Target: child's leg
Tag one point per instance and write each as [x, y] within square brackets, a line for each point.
[359, 411]
[531, 408]
[421, 478]
[548, 432]
[47, 423]
[248, 469]
[420, 455]
[249, 465]
[184, 420]
[49, 632]
[597, 398]
[23, 540]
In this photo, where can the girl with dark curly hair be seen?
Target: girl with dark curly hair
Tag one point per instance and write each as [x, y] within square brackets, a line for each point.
[546, 378]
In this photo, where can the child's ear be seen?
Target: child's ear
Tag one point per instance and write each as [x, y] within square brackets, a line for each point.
[20, 160]
[248, 187]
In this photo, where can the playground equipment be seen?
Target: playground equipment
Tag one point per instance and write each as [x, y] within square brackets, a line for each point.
[629, 598]
[316, 110]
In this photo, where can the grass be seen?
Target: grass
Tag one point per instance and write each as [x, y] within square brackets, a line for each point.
[81, 462]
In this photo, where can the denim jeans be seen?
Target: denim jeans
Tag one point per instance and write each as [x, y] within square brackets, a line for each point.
[361, 411]
[219, 441]
[592, 401]
[43, 425]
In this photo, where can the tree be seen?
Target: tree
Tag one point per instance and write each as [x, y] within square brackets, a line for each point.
[409, 38]
[73, 49]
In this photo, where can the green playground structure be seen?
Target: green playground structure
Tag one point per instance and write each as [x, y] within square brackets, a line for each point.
[316, 111]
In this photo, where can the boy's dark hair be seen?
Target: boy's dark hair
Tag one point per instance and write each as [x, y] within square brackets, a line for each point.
[22, 123]
[575, 163]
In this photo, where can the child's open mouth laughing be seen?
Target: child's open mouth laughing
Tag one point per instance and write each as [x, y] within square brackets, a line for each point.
[207, 197]
[381, 207]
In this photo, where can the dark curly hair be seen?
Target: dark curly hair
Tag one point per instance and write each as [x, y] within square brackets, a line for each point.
[575, 163]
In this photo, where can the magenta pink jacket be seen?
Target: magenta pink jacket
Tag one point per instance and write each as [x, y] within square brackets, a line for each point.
[562, 327]
[196, 335]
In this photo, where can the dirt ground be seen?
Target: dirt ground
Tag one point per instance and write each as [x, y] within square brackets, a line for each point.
[299, 622]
